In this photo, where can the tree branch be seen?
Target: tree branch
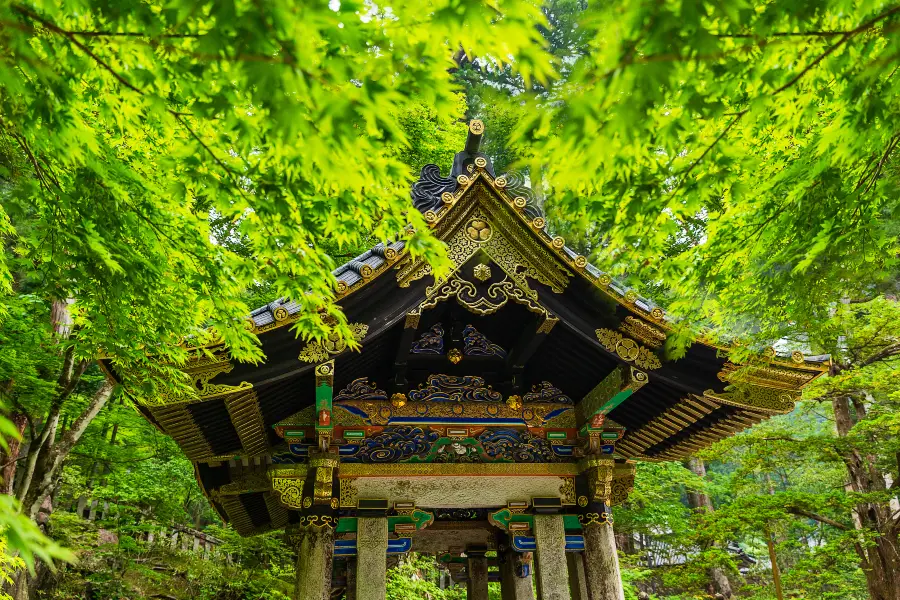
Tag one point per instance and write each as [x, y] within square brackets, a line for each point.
[817, 517]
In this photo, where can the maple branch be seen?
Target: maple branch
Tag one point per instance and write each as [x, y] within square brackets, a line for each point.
[817, 517]
[783, 34]
[846, 37]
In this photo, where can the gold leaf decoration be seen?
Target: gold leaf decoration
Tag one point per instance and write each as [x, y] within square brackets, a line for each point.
[482, 272]
[627, 349]
[289, 491]
[333, 343]
[643, 331]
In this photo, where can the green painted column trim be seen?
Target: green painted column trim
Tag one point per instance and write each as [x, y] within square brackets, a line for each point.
[420, 518]
[324, 409]
[503, 517]
[615, 389]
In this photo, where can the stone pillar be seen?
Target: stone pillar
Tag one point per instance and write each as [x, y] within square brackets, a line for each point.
[477, 586]
[604, 580]
[550, 539]
[371, 558]
[577, 581]
[351, 579]
[314, 545]
[513, 587]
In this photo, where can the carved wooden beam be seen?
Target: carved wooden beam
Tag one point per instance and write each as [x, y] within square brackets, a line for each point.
[615, 388]
[686, 412]
[243, 410]
[711, 434]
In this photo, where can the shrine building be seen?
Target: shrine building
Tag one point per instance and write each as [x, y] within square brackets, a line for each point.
[498, 410]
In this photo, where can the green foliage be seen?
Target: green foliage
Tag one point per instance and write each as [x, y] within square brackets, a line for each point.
[415, 577]
[137, 570]
[741, 154]
[126, 160]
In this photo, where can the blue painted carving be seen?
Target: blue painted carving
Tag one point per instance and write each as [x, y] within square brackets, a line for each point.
[448, 388]
[476, 344]
[516, 445]
[348, 547]
[430, 342]
[526, 543]
[546, 392]
[360, 389]
[394, 444]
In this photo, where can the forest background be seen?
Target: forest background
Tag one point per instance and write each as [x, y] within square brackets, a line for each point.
[166, 168]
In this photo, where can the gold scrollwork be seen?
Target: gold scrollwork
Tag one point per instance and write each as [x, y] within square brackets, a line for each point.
[348, 494]
[627, 349]
[567, 490]
[201, 371]
[771, 376]
[620, 488]
[592, 518]
[640, 330]
[495, 298]
[758, 398]
[289, 491]
[317, 351]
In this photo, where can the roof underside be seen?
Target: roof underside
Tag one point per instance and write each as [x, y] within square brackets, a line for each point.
[557, 330]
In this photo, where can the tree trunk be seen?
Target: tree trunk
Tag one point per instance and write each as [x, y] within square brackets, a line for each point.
[700, 501]
[51, 457]
[881, 560]
[9, 459]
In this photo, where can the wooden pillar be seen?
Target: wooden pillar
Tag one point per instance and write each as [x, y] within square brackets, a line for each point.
[577, 581]
[604, 580]
[550, 539]
[371, 558]
[315, 550]
[513, 587]
[477, 586]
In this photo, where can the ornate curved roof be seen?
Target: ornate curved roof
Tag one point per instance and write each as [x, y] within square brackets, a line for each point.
[525, 338]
